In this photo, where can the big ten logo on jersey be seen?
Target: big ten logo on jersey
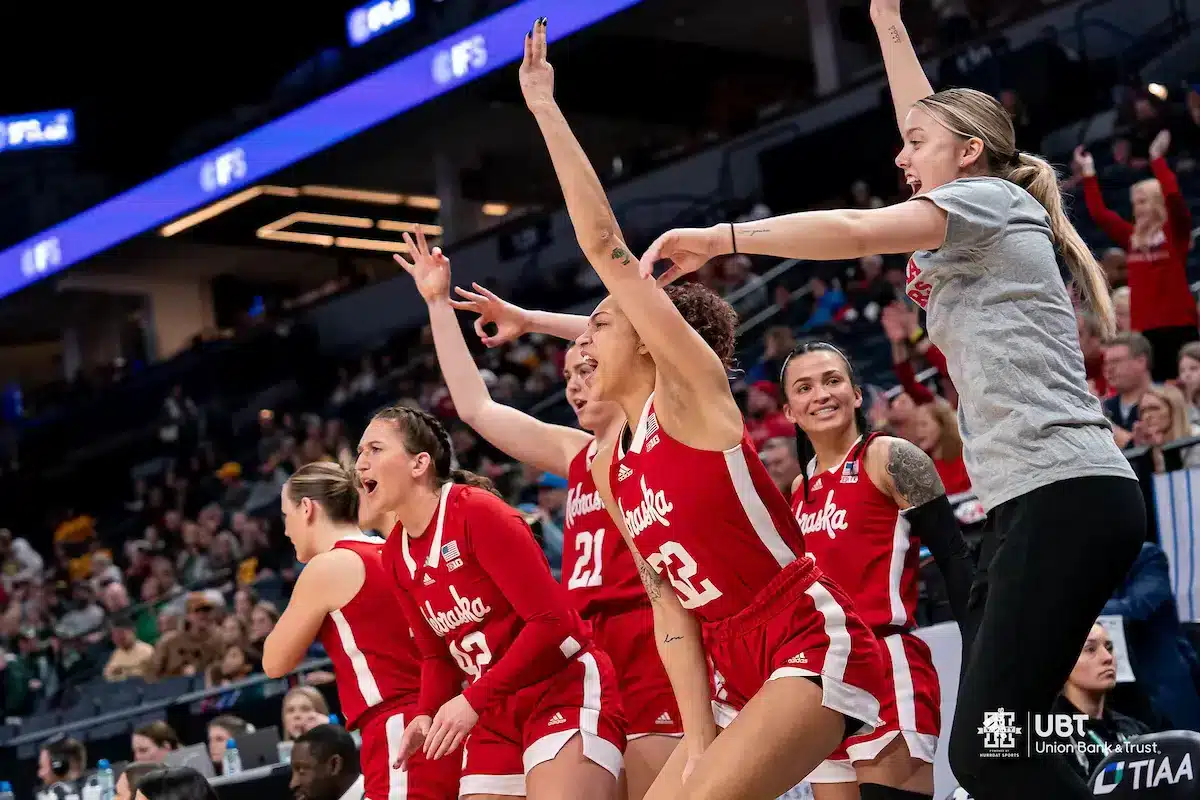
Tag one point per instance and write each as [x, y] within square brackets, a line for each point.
[653, 508]
[452, 556]
[829, 519]
[918, 290]
[465, 611]
[580, 504]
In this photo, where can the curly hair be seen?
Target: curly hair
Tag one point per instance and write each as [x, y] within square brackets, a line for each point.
[709, 315]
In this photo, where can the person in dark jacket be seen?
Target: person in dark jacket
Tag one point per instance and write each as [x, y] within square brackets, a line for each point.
[1163, 660]
[1086, 692]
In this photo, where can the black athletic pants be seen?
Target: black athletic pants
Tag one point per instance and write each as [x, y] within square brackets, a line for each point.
[1050, 561]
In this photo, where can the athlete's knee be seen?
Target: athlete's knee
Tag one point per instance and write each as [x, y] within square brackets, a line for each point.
[873, 791]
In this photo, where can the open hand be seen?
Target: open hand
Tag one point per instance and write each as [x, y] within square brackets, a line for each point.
[450, 727]
[536, 74]
[412, 740]
[688, 249]
[512, 322]
[895, 326]
[430, 269]
[1161, 144]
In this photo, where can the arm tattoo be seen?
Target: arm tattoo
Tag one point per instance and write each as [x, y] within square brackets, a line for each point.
[895, 33]
[754, 231]
[669, 638]
[650, 579]
[622, 255]
[913, 473]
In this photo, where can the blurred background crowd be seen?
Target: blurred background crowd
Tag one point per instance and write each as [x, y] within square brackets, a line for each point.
[141, 551]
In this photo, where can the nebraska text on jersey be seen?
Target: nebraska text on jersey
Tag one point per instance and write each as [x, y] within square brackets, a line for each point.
[465, 612]
[653, 508]
[579, 504]
[829, 519]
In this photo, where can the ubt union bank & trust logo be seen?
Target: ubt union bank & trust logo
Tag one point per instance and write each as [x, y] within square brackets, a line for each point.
[1000, 732]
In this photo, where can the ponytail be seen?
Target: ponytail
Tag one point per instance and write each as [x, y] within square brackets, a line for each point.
[1036, 176]
[468, 478]
[424, 433]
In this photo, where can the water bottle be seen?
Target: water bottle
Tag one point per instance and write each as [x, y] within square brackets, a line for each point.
[232, 764]
[6, 791]
[333, 720]
[104, 780]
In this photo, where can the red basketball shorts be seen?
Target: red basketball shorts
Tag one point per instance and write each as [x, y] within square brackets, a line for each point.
[423, 780]
[799, 625]
[910, 706]
[533, 725]
[646, 693]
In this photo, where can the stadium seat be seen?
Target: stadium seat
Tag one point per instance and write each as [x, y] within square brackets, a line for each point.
[167, 689]
[109, 730]
[39, 722]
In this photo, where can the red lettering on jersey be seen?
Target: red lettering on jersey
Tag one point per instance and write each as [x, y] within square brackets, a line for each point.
[918, 290]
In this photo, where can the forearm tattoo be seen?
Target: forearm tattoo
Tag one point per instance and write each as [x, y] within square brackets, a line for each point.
[913, 473]
[894, 32]
[650, 579]
[622, 255]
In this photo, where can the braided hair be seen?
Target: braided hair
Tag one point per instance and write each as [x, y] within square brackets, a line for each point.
[422, 432]
[805, 452]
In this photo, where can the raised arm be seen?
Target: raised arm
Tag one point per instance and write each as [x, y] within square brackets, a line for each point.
[676, 633]
[550, 448]
[512, 321]
[677, 349]
[811, 235]
[906, 77]
[326, 584]
[1118, 229]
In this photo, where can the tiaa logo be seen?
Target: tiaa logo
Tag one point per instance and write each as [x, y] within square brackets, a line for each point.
[1146, 773]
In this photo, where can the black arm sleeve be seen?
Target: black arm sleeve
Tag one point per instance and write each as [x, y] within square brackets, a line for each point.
[935, 525]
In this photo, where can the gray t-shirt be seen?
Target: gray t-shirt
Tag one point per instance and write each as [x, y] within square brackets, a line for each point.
[998, 309]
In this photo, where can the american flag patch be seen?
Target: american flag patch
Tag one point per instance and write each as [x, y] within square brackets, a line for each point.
[651, 424]
[450, 551]
[851, 468]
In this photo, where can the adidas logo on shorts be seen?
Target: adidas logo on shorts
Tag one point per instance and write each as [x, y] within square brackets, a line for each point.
[557, 719]
[798, 659]
[664, 719]
[428, 581]
[624, 472]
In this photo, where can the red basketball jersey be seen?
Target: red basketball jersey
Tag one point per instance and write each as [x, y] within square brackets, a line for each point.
[598, 568]
[857, 536]
[476, 584]
[713, 522]
[372, 660]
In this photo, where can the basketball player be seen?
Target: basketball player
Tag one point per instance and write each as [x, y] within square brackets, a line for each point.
[540, 717]
[345, 598]
[703, 514]
[848, 501]
[987, 223]
[598, 569]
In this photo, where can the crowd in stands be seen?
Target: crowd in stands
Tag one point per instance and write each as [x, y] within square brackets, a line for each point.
[199, 587]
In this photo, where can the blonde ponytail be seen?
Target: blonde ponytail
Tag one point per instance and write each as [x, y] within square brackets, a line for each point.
[1036, 176]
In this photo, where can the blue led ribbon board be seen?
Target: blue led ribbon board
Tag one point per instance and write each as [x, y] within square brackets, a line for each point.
[415, 79]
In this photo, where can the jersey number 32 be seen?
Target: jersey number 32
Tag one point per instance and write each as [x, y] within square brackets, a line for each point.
[681, 569]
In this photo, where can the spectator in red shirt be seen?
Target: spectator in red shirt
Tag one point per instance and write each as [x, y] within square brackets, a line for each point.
[1091, 342]
[764, 418]
[935, 431]
[1157, 243]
